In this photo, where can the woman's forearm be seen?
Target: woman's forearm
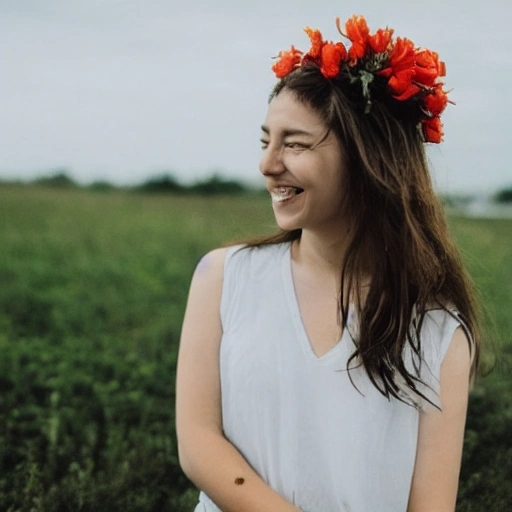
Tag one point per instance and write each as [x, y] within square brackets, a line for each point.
[217, 468]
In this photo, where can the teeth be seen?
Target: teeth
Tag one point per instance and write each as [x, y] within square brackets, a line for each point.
[282, 193]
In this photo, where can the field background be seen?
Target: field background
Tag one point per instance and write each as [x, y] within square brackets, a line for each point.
[92, 292]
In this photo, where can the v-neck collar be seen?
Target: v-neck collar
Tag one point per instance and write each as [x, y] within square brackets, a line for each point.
[345, 342]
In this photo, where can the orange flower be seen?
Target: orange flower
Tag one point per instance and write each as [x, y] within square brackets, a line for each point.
[287, 63]
[433, 130]
[428, 67]
[332, 55]
[357, 31]
[402, 85]
[402, 55]
[401, 71]
[442, 68]
[316, 43]
[409, 72]
[436, 101]
[379, 41]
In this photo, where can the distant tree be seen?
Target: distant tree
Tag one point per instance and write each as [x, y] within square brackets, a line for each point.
[217, 185]
[162, 183]
[59, 179]
[11, 182]
[101, 186]
[504, 196]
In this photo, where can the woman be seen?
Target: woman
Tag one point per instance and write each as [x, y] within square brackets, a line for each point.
[327, 368]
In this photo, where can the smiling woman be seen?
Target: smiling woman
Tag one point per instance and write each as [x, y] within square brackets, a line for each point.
[327, 367]
[304, 166]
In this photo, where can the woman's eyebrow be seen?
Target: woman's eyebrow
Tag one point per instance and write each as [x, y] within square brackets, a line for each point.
[288, 132]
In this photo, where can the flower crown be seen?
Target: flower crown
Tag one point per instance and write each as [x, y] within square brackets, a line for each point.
[408, 72]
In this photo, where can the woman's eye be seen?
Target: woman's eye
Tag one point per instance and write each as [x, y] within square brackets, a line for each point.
[296, 145]
[264, 143]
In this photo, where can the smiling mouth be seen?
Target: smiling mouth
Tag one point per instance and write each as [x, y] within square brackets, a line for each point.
[280, 194]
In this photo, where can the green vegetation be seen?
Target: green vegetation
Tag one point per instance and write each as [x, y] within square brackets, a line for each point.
[215, 185]
[58, 179]
[486, 477]
[164, 183]
[93, 289]
[504, 195]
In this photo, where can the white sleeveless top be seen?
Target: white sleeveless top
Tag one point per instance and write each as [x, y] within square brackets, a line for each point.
[297, 418]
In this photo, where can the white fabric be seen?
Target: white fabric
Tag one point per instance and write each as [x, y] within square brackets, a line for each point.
[297, 419]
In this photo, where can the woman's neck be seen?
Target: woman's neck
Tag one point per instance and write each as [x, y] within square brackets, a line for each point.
[323, 253]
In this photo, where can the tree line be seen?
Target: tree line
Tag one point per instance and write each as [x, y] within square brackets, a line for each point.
[216, 184]
[162, 183]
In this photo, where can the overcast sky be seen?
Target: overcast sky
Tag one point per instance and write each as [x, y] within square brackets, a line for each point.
[126, 89]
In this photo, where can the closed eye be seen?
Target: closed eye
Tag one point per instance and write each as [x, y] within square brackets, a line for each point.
[297, 145]
[264, 143]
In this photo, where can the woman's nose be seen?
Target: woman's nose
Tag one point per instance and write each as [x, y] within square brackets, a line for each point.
[271, 162]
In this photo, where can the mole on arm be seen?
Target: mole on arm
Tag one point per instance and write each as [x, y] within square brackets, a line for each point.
[239, 481]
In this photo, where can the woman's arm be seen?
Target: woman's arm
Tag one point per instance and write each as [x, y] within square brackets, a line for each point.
[441, 435]
[206, 456]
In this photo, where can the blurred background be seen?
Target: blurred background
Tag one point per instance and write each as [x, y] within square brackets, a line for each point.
[119, 90]
[129, 146]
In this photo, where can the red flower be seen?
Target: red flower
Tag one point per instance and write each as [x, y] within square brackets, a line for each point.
[410, 72]
[287, 63]
[332, 55]
[428, 67]
[316, 43]
[433, 130]
[402, 85]
[401, 71]
[379, 42]
[436, 101]
[402, 55]
[442, 68]
[357, 31]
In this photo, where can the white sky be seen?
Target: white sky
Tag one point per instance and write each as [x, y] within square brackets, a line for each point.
[126, 89]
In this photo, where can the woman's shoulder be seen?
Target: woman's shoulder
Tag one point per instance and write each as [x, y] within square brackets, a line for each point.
[212, 263]
[253, 259]
[437, 328]
[440, 321]
[441, 327]
[217, 261]
[206, 283]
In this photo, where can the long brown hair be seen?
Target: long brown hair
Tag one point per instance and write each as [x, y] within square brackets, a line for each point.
[414, 265]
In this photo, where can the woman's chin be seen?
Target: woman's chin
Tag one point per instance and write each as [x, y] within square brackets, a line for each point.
[287, 225]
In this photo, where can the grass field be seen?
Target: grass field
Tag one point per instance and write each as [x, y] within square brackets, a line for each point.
[93, 289]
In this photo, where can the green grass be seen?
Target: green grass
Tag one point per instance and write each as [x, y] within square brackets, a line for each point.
[93, 290]
[486, 246]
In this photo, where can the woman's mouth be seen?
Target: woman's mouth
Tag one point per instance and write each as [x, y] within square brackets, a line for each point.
[281, 194]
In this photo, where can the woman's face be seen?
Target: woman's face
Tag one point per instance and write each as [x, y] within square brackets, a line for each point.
[304, 167]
